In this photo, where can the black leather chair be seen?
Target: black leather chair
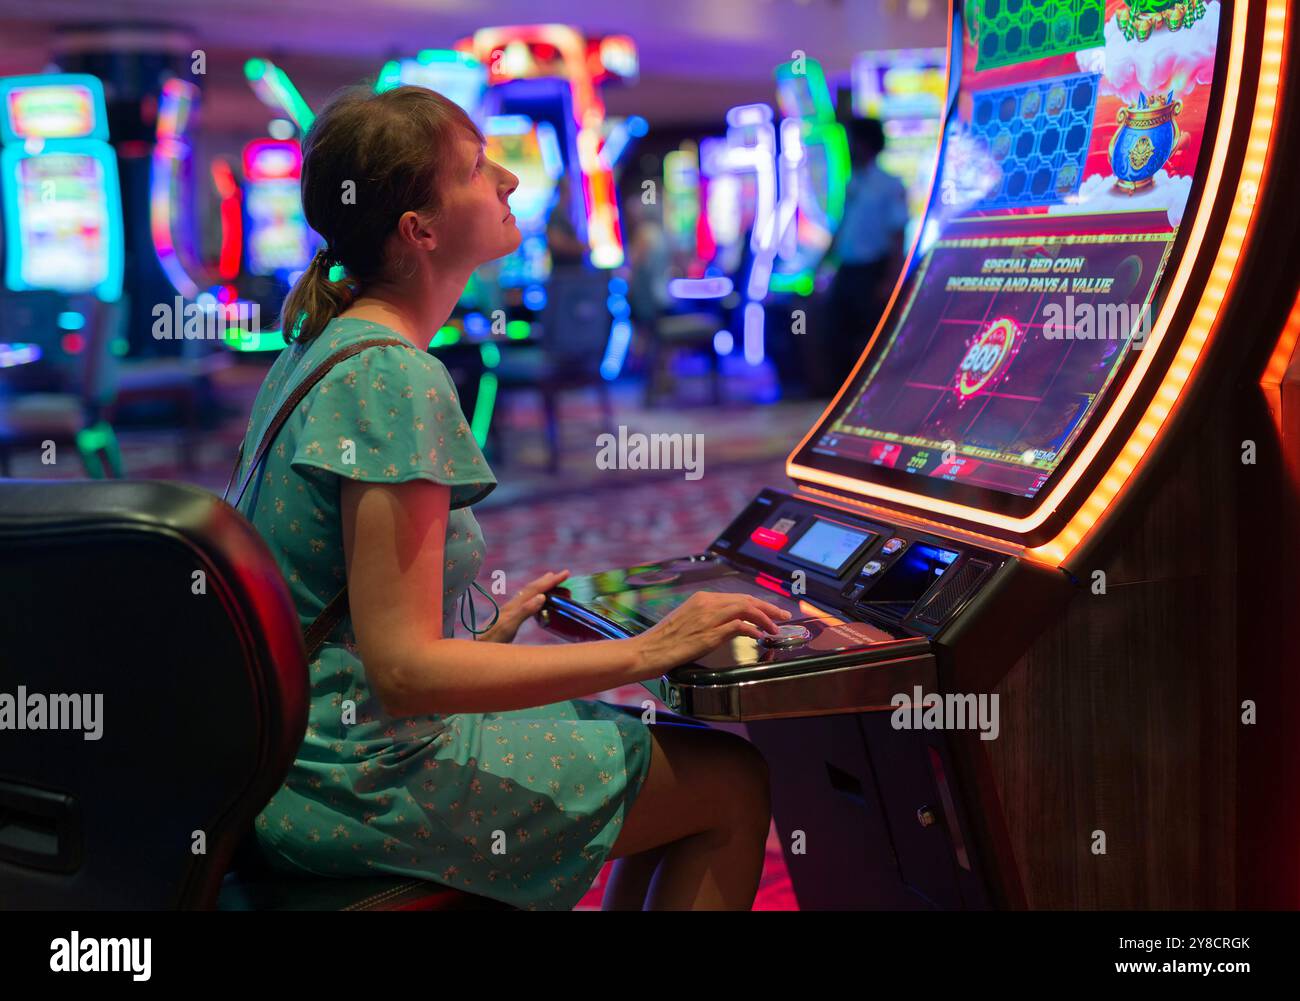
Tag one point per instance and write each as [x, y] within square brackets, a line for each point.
[163, 599]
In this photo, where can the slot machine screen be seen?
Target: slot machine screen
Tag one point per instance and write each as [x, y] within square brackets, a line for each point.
[279, 239]
[62, 221]
[51, 111]
[1070, 157]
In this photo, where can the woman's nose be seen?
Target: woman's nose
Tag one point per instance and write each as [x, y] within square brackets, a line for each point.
[508, 183]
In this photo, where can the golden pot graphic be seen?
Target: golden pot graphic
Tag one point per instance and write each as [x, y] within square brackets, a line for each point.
[1147, 137]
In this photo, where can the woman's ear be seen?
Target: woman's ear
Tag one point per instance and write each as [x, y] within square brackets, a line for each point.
[418, 232]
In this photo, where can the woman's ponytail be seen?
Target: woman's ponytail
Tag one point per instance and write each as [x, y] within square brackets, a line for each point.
[393, 146]
[314, 300]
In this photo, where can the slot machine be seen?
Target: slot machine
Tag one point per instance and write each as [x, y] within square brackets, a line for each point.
[62, 198]
[1034, 546]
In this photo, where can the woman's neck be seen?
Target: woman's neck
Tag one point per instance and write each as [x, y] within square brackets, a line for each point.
[416, 308]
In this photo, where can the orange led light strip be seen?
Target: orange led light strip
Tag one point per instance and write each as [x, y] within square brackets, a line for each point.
[1216, 288]
[1057, 550]
[1281, 357]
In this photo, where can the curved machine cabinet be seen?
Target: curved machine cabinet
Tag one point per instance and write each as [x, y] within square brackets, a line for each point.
[1040, 549]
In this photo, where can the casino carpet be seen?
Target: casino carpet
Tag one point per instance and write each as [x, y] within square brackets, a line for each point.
[585, 519]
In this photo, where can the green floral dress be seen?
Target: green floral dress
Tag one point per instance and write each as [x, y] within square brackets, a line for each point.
[520, 806]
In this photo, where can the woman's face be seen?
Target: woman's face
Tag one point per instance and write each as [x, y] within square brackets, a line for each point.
[476, 225]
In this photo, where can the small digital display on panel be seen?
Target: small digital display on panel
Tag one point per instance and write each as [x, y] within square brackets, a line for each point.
[828, 545]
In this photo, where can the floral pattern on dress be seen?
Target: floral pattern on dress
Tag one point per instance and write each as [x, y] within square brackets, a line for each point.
[458, 799]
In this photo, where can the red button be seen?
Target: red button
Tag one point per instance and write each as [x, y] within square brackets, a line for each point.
[768, 538]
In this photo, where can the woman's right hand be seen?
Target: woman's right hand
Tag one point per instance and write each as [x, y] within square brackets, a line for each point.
[703, 622]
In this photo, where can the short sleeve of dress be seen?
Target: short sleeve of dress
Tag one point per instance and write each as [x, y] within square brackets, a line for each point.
[390, 414]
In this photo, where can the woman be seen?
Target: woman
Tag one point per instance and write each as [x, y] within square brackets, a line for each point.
[469, 762]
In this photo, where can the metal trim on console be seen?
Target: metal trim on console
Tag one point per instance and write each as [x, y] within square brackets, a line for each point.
[854, 689]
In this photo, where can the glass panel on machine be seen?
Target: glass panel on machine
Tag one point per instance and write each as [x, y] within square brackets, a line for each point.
[652, 603]
[1068, 162]
[909, 578]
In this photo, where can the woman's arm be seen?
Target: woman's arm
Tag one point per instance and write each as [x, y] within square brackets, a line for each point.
[394, 537]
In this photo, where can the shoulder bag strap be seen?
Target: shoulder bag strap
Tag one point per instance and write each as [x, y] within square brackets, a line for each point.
[333, 612]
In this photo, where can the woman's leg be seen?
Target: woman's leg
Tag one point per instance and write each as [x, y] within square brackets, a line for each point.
[705, 811]
[629, 880]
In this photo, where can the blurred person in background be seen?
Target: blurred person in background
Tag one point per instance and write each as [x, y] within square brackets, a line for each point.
[867, 247]
[567, 249]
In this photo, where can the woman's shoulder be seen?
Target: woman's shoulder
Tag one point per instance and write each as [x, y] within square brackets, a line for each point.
[403, 361]
[390, 413]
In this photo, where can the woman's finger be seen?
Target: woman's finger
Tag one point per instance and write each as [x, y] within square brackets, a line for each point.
[543, 583]
[757, 615]
[739, 627]
[747, 607]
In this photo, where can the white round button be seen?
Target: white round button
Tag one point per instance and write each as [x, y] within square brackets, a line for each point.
[792, 635]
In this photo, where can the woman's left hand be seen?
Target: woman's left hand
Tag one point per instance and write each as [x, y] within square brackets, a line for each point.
[526, 603]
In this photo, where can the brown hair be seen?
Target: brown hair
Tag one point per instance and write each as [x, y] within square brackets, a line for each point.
[392, 148]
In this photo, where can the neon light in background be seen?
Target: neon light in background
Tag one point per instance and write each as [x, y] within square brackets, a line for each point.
[751, 148]
[713, 287]
[485, 403]
[682, 195]
[557, 51]
[790, 169]
[620, 331]
[815, 173]
[748, 150]
[232, 219]
[535, 297]
[532, 152]
[751, 144]
[12, 355]
[247, 340]
[456, 75]
[446, 335]
[169, 165]
[618, 58]
[274, 89]
[621, 137]
[753, 343]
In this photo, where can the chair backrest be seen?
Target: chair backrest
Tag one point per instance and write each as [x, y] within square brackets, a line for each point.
[576, 320]
[160, 604]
